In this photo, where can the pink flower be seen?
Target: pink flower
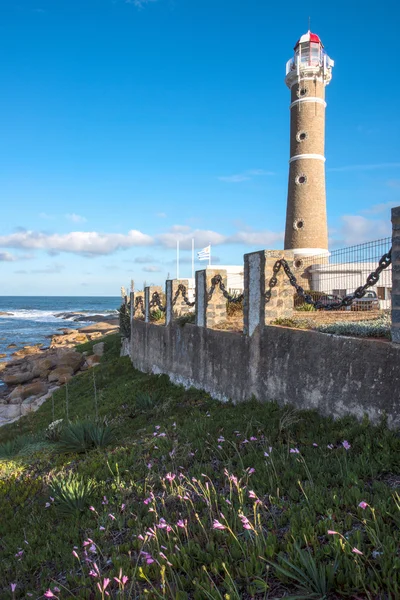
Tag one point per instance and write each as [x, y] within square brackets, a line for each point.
[252, 494]
[162, 435]
[219, 447]
[157, 427]
[253, 439]
[47, 505]
[93, 573]
[149, 465]
[13, 587]
[111, 516]
[245, 522]
[92, 508]
[266, 454]
[19, 554]
[102, 528]
[49, 594]
[315, 445]
[221, 439]
[251, 471]
[170, 477]
[357, 551]
[218, 525]
[123, 506]
[105, 501]
[330, 446]
[294, 451]
[330, 532]
[56, 589]
[363, 505]
[346, 445]
[182, 523]
[75, 554]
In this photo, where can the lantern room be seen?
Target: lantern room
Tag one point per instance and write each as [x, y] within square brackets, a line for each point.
[310, 59]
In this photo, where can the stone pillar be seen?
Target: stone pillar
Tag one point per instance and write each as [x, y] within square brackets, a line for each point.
[149, 305]
[210, 313]
[396, 275]
[258, 271]
[175, 307]
[131, 301]
[138, 299]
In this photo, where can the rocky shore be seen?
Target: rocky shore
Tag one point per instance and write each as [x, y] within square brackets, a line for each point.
[33, 373]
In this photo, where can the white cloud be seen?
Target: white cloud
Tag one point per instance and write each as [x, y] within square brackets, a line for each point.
[151, 269]
[238, 178]
[356, 229]
[395, 165]
[143, 259]
[87, 243]
[202, 238]
[7, 257]
[75, 218]
[263, 239]
[380, 208]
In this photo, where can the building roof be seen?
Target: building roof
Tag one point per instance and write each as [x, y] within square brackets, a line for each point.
[309, 37]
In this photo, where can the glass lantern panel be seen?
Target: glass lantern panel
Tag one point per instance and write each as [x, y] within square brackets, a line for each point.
[315, 53]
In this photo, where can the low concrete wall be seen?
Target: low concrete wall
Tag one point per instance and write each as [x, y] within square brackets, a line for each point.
[336, 375]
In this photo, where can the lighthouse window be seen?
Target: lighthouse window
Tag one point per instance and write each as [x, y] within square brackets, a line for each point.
[301, 136]
[301, 179]
[302, 92]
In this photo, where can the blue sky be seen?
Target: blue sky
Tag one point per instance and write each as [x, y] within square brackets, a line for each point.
[124, 125]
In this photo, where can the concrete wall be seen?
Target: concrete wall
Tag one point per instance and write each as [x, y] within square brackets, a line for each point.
[336, 375]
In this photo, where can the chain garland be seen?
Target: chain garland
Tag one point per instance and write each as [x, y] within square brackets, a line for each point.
[182, 290]
[217, 281]
[139, 302]
[372, 279]
[156, 301]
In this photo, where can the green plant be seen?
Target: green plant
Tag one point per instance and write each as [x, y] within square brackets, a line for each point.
[312, 580]
[53, 431]
[71, 493]
[157, 315]
[306, 307]
[13, 447]
[83, 436]
[289, 322]
[379, 328]
[146, 400]
[190, 317]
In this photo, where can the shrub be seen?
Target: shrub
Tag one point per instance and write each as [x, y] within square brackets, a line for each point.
[124, 312]
[13, 447]
[146, 400]
[53, 431]
[157, 315]
[190, 317]
[82, 436]
[71, 493]
[379, 328]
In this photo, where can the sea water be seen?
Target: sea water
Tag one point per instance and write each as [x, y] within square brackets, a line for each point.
[32, 319]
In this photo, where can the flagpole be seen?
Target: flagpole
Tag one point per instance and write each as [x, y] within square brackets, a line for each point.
[177, 259]
[192, 258]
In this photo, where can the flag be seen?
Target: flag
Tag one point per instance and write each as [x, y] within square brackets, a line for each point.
[204, 254]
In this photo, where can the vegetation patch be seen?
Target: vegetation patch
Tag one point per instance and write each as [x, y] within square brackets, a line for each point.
[195, 499]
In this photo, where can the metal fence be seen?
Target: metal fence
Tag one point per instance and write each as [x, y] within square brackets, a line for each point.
[331, 276]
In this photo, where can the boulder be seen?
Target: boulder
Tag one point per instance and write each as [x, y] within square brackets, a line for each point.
[15, 376]
[41, 367]
[16, 395]
[61, 374]
[93, 360]
[10, 411]
[98, 349]
[28, 406]
[27, 350]
[11, 346]
[95, 335]
[3, 355]
[70, 359]
[37, 388]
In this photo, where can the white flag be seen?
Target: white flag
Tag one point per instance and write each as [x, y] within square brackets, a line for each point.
[204, 254]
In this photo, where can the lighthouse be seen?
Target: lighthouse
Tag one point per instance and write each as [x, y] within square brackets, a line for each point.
[307, 74]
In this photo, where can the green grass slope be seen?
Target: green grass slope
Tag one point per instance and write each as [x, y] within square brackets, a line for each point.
[154, 491]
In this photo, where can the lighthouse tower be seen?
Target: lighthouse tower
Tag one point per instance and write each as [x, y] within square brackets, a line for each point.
[307, 74]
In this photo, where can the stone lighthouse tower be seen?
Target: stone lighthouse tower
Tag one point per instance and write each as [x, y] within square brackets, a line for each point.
[307, 74]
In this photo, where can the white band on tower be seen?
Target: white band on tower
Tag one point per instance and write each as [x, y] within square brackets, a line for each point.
[314, 156]
[310, 99]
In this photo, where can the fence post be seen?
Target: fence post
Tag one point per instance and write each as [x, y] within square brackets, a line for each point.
[396, 275]
[210, 312]
[148, 300]
[179, 307]
[131, 301]
[258, 271]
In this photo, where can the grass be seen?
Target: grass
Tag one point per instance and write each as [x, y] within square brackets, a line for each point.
[197, 499]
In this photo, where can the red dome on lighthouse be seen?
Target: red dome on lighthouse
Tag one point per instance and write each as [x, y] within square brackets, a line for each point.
[309, 37]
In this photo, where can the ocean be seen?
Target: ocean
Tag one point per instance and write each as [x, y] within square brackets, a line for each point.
[31, 319]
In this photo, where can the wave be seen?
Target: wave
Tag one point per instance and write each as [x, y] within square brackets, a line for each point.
[51, 316]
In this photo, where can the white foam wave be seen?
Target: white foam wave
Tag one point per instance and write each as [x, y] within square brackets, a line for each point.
[41, 316]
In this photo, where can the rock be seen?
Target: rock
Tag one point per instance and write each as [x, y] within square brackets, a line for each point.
[93, 360]
[10, 411]
[21, 392]
[70, 359]
[95, 335]
[3, 355]
[28, 405]
[17, 377]
[11, 346]
[27, 350]
[5, 314]
[103, 327]
[41, 367]
[61, 374]
[98, 349]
